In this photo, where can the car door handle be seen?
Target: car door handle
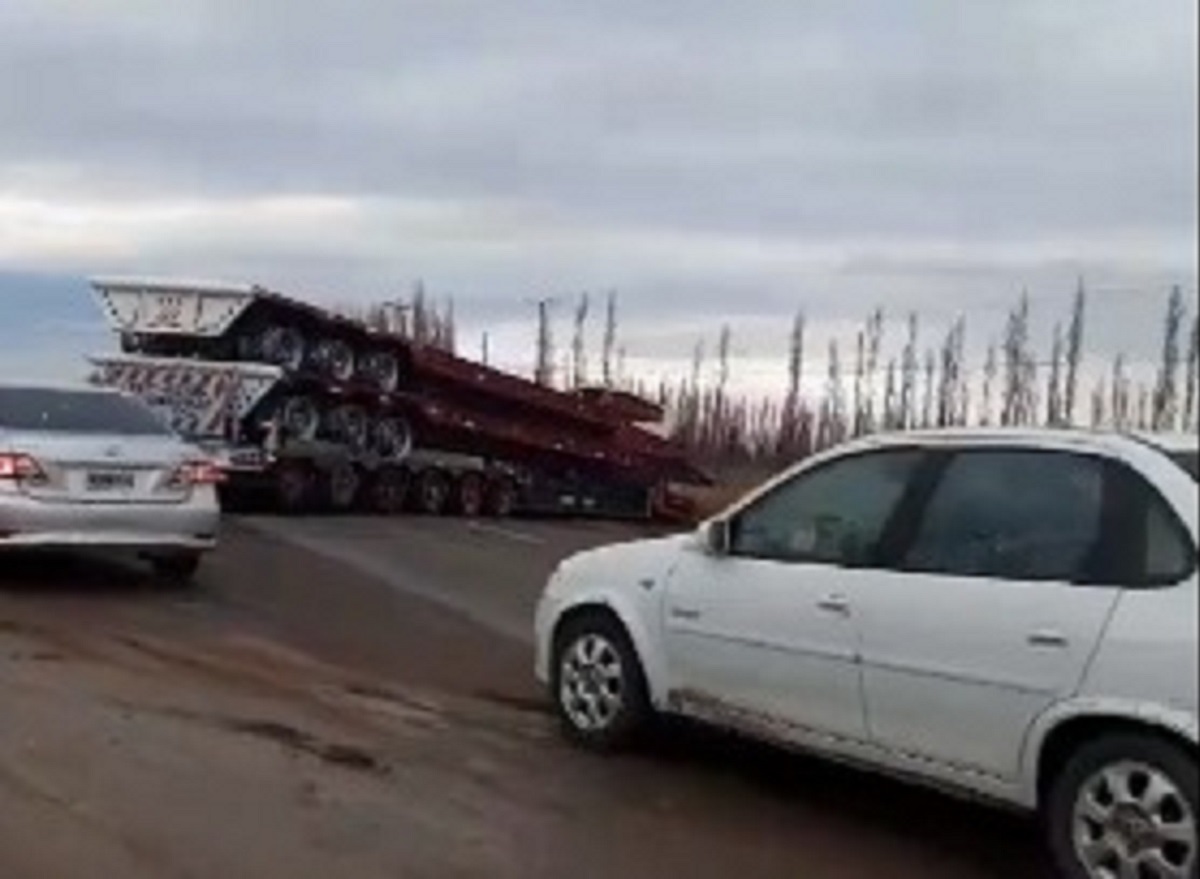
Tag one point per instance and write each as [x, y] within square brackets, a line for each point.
[1047, 638]
[685, 613]
[837, 604]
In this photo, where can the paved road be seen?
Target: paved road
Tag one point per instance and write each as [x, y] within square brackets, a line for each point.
[845, 823]
[443, 607]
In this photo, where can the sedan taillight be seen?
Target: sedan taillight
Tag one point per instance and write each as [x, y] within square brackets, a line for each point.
[19, 467]
[197, 473]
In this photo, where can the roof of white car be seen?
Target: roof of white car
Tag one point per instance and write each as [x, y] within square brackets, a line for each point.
[1034, 436]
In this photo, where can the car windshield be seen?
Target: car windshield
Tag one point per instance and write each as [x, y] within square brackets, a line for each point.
[1189, 461]
[64, 411]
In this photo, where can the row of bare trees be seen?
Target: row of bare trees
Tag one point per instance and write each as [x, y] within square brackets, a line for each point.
[936, 387]
[920, 386]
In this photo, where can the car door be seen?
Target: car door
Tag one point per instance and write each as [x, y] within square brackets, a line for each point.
[764, 632]
[997, 604]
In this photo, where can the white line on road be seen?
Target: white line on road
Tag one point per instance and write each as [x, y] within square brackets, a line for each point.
[507, 533]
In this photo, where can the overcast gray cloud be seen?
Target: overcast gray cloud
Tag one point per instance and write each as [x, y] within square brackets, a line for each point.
[710, 159]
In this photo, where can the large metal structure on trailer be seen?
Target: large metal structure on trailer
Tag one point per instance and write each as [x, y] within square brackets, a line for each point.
[306, 409]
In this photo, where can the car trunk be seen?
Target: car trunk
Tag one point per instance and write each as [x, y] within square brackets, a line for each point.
[102, 468]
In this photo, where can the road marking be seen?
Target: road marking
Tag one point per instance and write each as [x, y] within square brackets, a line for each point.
[507, 533]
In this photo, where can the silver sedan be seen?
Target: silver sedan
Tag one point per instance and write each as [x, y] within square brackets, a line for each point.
[88, 468]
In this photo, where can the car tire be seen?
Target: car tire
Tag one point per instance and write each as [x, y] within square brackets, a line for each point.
[176, 570]
[389, 491]
[500, 498]
[469, 495]
[341, 486]
[293, 484]
[432, 494]
[598, 685]
[1124, 798]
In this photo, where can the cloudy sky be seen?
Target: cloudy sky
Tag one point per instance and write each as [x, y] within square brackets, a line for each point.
[714, 161]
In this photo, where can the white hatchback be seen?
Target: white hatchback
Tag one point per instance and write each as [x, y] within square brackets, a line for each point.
[1007, 613]
[83, 467]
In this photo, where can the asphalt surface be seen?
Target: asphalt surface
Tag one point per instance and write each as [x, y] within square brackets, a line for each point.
[437, 613]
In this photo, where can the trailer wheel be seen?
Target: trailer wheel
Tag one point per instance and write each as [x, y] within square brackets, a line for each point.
[342, 483]
[433, 491]
[470, 495]
[293, 487]
[500, 498]
[389, 490]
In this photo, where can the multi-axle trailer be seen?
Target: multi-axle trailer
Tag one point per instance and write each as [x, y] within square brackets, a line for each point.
[307, 410]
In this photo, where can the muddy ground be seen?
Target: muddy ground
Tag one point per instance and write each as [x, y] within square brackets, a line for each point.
[352, 697]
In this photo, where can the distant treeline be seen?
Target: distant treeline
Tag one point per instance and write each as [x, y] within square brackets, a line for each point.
[859, 392]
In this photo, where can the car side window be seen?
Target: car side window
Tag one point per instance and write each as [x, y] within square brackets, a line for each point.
[1169, 556]
[1017, 515]
[835, 514]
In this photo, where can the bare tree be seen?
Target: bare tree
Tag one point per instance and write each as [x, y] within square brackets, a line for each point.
[1165, 400]
[832, 428]
[930, 378]
[792, 405]
[1120, 394]
[860, 369]
[874, 344]
[950, 396]
[484, 349]
[1014, 405]
[989, 381]
[1192, 376]
[909, 366]
[1099, 395]
[610, 337]
[420, 315]
[579, 344]
[891, 407]
[1055, 405]
[1074, 353]
[543, 372]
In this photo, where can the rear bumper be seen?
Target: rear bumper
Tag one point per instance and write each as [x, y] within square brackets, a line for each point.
[29, 523]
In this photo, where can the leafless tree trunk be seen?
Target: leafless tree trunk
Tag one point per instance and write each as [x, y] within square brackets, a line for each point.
[1165, 401]
[1074, 353]
[1055, 408]
[909, 366]
[989, 381]
[610, 337]
[544, 370]
[1192, 376]
[579, 344]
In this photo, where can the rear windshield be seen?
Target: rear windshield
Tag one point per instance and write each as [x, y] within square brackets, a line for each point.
[55, 411]
[1189, 461]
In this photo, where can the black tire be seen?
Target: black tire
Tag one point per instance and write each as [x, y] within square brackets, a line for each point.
[470, 495]
[177, 569]
[1128, 754]
[389, 491]
[613, 730]
[501, 498]
[432, 492]
[341, 485]
[294, 488]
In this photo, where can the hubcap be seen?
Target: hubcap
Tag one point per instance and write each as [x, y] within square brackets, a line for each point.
[591, 682]
[1131, 821]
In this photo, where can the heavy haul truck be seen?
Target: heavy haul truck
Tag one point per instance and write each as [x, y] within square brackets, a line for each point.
[308, 410]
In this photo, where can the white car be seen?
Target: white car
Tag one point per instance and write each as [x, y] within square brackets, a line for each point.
[82, 467]
[1008, 613]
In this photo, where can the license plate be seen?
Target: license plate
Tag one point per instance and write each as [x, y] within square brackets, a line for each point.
[110, 481]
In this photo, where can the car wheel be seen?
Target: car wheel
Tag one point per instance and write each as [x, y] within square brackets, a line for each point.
[177, 570]
[342, 484]
[433, 492]
[501, 498]
[389, 491]
[469, 495]
[1125, 807]
[598, 686]
[293, 488]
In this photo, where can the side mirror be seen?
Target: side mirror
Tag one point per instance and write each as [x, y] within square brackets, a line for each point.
[717, 537]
